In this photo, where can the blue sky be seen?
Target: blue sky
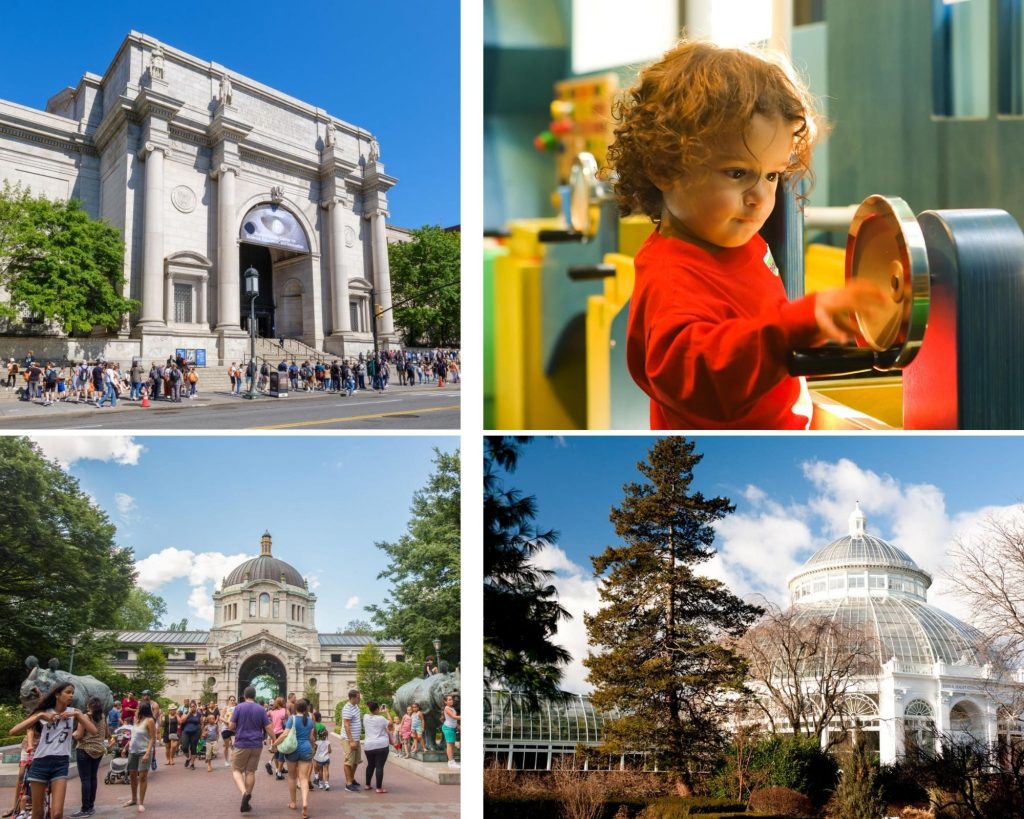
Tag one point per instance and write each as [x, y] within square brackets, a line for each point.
[792, 495]
[193, 507]
[390, 66]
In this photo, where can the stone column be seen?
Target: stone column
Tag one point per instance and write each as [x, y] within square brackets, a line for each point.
[228, 305]
[153, 237]
[381, 273]
[201, 301]
[341, 322]
[168, 299]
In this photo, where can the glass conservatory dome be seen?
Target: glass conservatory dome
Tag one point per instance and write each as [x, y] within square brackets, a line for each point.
[875, 588]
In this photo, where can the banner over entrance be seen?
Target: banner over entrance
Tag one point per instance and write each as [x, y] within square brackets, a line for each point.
[274, 226]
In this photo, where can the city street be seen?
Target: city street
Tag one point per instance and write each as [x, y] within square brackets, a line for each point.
[416, 407]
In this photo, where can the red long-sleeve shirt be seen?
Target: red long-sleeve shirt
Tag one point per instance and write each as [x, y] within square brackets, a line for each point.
[708, 337]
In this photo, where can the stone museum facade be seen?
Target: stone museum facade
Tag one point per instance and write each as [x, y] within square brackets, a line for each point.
[264, 623]
[207, 173]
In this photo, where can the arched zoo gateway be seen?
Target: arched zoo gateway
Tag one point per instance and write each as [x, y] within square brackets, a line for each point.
[264, 618]
[176, 152]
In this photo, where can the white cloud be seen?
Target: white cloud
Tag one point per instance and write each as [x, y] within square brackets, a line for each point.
[201, 603]
[200, 570]
[578, 594]
[125, 504]
[313, 579]
[352, 602]
[121, 449]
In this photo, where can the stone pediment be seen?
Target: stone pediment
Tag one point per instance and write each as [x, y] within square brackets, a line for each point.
[263, 643]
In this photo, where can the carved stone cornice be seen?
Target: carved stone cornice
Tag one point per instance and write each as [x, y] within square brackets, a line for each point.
[221, 168]
[374, 178]
[225, 127]
[152, 103]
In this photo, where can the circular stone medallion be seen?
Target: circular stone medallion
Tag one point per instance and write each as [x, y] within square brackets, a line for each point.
[183, 198]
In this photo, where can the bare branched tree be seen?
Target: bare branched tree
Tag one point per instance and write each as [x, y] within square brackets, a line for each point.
[988, 575]
[804, 667]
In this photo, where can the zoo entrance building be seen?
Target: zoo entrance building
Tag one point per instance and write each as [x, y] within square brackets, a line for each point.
[264, 623]
[207, 173]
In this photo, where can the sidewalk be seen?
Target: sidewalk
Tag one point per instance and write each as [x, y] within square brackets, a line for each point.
[11, 407]
[177, 791]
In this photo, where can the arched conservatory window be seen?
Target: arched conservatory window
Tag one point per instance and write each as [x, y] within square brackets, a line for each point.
[918, 728]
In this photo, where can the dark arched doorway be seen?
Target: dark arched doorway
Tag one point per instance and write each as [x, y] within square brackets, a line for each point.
[267, 673]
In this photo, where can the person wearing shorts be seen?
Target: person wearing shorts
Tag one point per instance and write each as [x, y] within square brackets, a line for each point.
[351, 730]
[226, 733]
[249, 722]
[54, 723]
[448, 729]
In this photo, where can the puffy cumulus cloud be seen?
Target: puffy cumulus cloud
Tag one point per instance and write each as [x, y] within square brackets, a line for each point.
[313, 579]
[201, 603]
[121, 449]
[352, 602]
[843, 483]
[743, 540]
[202, 571]
[125, 504]
[578, 594]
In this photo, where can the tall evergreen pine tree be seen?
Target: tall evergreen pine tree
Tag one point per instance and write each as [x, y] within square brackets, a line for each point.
[521, 612]
[659, 657]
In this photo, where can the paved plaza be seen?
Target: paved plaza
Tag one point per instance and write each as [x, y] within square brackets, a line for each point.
[176, 791]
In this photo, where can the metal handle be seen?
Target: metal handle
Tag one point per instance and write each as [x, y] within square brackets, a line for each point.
[591, 272]
[553, 236]
[831, 361]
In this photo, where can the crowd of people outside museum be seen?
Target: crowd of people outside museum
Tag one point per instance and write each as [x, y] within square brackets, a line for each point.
[104, 383]
[133, 730]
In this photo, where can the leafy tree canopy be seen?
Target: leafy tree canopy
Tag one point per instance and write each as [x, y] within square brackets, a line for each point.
[424, 569]
[425, 287]
[58, 263]
[141, 611]
[61, 573]
[359, 627]
[372, 677]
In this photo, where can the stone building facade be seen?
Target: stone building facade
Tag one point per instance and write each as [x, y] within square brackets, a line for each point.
[264, 623]
[207, 173]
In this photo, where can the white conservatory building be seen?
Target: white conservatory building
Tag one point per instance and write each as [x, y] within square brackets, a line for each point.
[928, 678]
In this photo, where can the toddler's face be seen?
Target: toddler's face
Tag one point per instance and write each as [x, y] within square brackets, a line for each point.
[728, 204]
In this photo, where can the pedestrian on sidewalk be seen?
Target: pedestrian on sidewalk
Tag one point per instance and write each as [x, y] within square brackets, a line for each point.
[379, 724]
[140, 751]
[301, 759]
[249, 722]
[278, 714]
[350, 732]
[226, 733]
[89, 755]
[147, 696]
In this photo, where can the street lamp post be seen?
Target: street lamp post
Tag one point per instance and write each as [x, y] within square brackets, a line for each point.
[252, 290]
[437, 652]
[71, 663]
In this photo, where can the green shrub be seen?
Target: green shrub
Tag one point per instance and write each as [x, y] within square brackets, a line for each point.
[797, 763]
[10, 715]
[900, 784]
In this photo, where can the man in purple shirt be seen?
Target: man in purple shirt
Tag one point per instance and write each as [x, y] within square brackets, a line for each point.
[249, 721]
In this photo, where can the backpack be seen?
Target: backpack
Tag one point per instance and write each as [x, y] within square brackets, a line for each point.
[192, 377]
[175, 376]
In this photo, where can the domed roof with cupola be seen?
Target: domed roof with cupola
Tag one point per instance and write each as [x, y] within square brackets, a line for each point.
[868, 585]
[265, 567]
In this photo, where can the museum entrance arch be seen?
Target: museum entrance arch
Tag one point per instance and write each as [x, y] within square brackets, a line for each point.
[264, 671]
[273, 241]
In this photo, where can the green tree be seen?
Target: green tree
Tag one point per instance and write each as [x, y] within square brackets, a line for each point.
[141, 611]
[58, 263]
[425, 287]
[424, 569]
[181, 625]
[659, 657]
[359, 627]
[149, 669]
[60, 569]
[372, 678]
[312, 696]
[859, 795]
[521, 612]
[207, 694]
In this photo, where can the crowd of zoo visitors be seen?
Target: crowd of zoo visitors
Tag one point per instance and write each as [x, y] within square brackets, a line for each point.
[133, 730]
[103, 383]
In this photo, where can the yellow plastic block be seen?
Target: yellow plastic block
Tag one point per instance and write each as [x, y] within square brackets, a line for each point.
[824, 268]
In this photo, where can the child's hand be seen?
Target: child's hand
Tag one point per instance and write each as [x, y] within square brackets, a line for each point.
[834, 309]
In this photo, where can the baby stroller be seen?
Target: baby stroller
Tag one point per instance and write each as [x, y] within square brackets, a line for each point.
[119, 761]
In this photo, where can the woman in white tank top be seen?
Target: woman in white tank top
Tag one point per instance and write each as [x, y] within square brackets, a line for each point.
[54, 721]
